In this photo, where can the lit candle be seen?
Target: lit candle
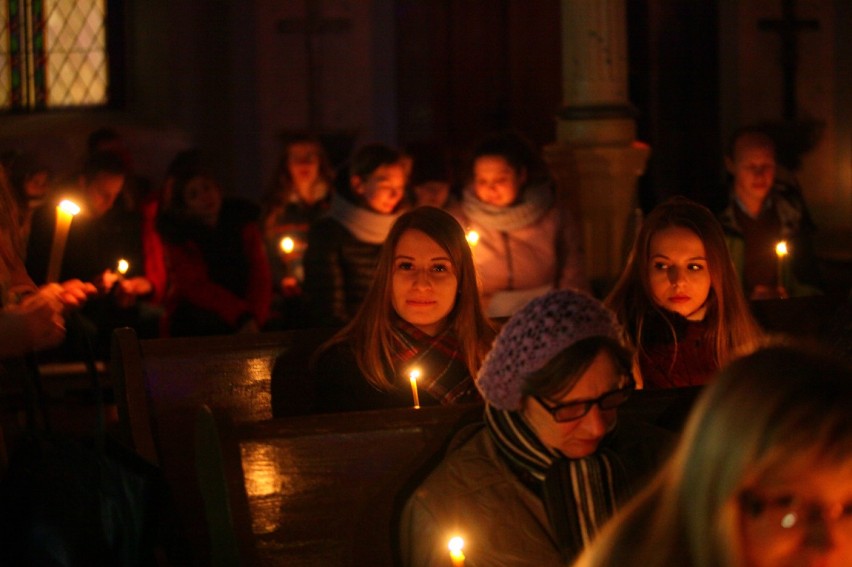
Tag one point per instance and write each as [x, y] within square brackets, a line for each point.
[472, 238]
[781, 252]
[123, 266]
[456, 546]
[413, 376]
[65, 211]
[287, 245]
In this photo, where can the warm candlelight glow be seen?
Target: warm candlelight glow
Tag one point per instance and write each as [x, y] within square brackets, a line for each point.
[287, 244]
[781, 252]
[65, 211]
[472, 237]
[781, 249]
[456, 546]
[413, 376]
[123, 266]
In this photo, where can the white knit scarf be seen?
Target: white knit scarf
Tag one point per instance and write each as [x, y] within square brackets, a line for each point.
[364, 224]
[536, 201]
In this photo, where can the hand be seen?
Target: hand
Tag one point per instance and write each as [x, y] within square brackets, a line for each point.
[290, 287]
[35, 323]
[105, 281]
[127, 290]
[75, 293]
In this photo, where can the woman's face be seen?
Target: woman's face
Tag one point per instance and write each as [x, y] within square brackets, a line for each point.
[203, 198]
[581, 437]
[677, 272]
[495, 182]
[424, 282]
[303, 162]
[800, 517]
[383, 189]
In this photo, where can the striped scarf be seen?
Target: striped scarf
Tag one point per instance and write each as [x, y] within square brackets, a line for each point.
[444, 376]
[579, 494]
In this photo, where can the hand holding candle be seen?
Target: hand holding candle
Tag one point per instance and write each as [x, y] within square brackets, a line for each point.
[413, 376]
[456, 546]
[65, 211]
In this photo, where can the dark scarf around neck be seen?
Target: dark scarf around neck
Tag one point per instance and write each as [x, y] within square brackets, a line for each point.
[578, 494]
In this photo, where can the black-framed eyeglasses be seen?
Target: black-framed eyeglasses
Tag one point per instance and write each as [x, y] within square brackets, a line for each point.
[571, 411]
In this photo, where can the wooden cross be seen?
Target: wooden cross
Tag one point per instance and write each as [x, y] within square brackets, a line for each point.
[787, 27]
[312, 26]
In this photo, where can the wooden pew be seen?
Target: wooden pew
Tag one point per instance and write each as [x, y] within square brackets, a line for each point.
[160, 383]
[327, 489]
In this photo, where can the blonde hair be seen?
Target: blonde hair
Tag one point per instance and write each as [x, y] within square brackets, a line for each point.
[778, 408]
[732, 329]
[370, 332]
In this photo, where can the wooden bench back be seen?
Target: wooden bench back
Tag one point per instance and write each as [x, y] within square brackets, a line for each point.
[327, 489]
[160, 383]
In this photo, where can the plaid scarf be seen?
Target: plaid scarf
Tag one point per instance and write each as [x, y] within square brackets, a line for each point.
[578, 494]
[444, 376]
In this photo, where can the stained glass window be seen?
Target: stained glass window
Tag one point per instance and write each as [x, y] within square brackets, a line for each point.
[53, 54]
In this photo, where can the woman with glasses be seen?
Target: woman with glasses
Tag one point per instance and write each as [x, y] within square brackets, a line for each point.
[551, 463]
[762, 475]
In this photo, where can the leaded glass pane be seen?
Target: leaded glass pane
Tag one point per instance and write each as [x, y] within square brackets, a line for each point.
[5, 70]
[75, 46]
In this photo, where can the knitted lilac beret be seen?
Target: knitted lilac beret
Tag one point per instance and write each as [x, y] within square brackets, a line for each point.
[543, 328]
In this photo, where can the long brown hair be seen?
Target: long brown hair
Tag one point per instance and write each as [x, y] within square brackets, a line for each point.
[370, 331]
[731, 328]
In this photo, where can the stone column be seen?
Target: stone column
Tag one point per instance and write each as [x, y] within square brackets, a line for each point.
[596, 159]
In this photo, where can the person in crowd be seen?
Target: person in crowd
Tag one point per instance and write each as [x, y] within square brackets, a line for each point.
[527, 244]
[679, 299]
[761, 212]
[29, 180]
[218, 272]
[430, 181]
[762, 475]
[421, 313]
[344, 245]
[100, 236]
[31, 318]
[299, 194]
[552, 462]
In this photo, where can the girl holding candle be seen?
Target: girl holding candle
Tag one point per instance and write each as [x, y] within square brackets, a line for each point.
[344, 245]
[527, 244]
[679, 299]
[762, 475]
[422, 314]
[299, 194]
[219, 274]
[552, 462]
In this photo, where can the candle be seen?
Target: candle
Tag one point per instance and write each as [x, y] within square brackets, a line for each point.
[456, 546]
[413, 376]
[123, 266]
[287, 245]
[472, 238]
[65, 211]
[781, 252]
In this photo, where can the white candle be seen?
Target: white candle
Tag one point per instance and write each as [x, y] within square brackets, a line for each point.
[456, 546]
[123, 266]
[413, 376]
[781, 252]
[287, 245]
[65, 211]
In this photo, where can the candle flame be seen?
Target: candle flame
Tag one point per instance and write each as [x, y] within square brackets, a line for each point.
[781, 249]
[123, 266]
[472, 237]
[456, 544]
[287, 244]
[69, 207]
[414, 375]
